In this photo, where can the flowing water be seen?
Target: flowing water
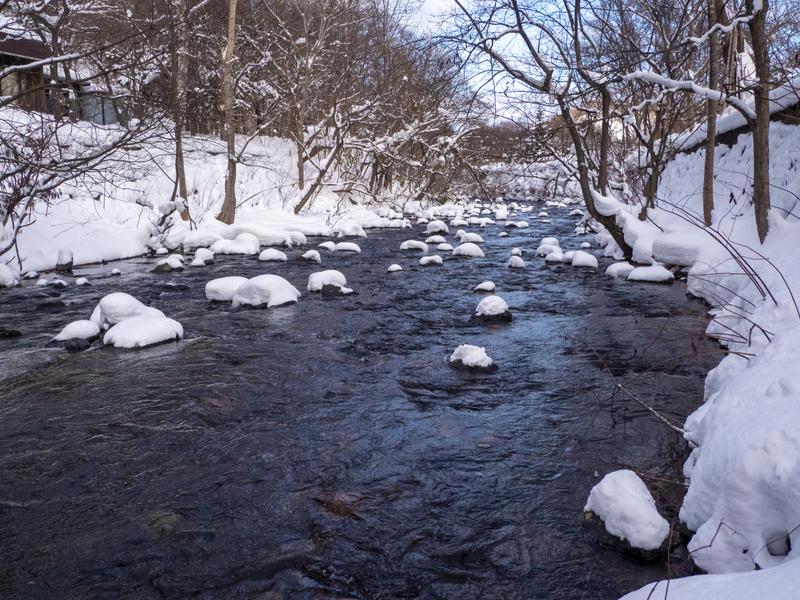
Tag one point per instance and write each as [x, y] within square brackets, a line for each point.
[326, 450]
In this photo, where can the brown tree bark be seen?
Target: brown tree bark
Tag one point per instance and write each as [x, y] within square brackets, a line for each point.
[758, 35]
[228, 212]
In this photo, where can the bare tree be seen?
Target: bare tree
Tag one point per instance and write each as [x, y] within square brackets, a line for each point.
[228, 212]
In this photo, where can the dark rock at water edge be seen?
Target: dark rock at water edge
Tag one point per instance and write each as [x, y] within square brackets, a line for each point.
[505, 317]
[459, 364]
[76, 345]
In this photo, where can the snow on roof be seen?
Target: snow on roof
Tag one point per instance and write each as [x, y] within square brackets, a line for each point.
[781, 98]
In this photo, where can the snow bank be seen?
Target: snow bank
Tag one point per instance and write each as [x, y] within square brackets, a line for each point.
[244, 243]
[414, 245]
[628, 511]
[331, 277]
[137, 332]
[265, 290]
[223, 289]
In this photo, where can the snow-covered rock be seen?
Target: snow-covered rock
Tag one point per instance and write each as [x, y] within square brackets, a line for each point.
[584, 259]
[394, 268]
[117, 306]
[274, 255]
[515, 262]
[576, 212]
[116, 271]
[654, 274]
[516, 252]
[82, 329]
[330, 277]
[444, 247]
[555, 257]
[619, 270]
[351, 229]
[223, 289]
[628, 511]
[414, 245]
[202, 257]
[174, 262]
[347, 247]
[312, 256]
[492, 309]
[141, 331]
[436, 226]
[467, 356]
[502, 234]
[470, 237]
[468, 250]
[327, 245]
[81, 281]
[549, 241]
[430, 261]
[585, 245]
[484, 286]
[162, 251]
[269, 290]
[435, 239]
[244, 243]
[545, 249]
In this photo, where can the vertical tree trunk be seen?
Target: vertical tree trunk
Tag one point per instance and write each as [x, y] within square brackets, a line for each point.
[711, 116]
[228, 212]
[758, 34]
[602, 176]
[181, 62]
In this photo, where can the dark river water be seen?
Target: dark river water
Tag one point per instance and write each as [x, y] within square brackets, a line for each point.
[326, 450]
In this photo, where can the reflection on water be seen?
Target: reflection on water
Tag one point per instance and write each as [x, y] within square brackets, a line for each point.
[326, 450]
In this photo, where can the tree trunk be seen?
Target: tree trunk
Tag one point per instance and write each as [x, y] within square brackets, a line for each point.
[758, 34]
[181, 76]
[711, 116]
[602, 174]
[228, 212]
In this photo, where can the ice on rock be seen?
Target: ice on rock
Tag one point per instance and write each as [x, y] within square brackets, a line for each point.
[467, 356]
[628, 511]
[244, 243]
[484, 286]
[347, 247]
[312, 256]
[118, 306]
[351, 229]
[414, 245]
[82, 329]
[435, 239]
[8, 278]
[619, 270]
[273, 255]
[473, 238]
[444, 247]
[223, 289]
[328, 245]
[269, 290]
[330, 277]
[394, 268]
[431, 261]
[515, 262]
[141, 331]
[202, 257]
[653, 274]
[584, 259]
[468, 250]
[436, 226]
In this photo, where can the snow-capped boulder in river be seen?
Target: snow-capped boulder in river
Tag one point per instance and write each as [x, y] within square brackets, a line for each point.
[435, 239]
[484, 286]
[312, 256]
[347, 247]
[394, 268]
[436, 226]
[327, 245]
[473, 238]
[274, 255]
[549, 241]
[585, 245]
[82, 329]
[445, 247]
[244, 243]
[223, 289]
[265, 290]
[652, 274]
[322, 278]
[118, 306]
[515, 262]
[141, 331]
[468, 250]
[430, 261]
[414, 245]
[502, 234]
[619, 270]
[472, 358]
[628, 511]
[584, 259]
[174, 262]
[492, 309]
[202, 257]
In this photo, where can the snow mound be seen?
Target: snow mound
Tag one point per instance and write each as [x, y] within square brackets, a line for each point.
[141, 331]
[576, 212]
[435, 239]
[491, 306]
[414, 245]
[81, 281]
[545, 249]
[347, 247]
[174, 262]
[619, 270]
[161, 251]
[83, 329]
[469, 250]
[116, 271]
[434, 260]
[445, 247]
[322, 278]
[654, 274]
[584, 259]
[516, 252]
[549, 241]
[471, 357]
[190, 240]
[484, 286]
[629, 512]
[585, 245]
[556, 257]
[394, 268]
[224, 288]
[436, 226]
[269, 290]
[202, 257]
[312, 256]
[515, 262]
[328, 245]
[502, 234]
[272, 255]
[118, 306]
[8, 278]
[471, 238]
[244, 243]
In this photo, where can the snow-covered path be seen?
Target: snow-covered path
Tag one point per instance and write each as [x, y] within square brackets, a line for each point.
[327, 445]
